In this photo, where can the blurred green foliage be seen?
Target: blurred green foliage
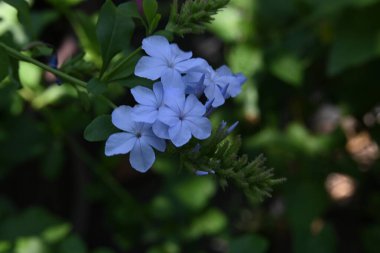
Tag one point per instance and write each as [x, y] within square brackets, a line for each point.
[312, 66]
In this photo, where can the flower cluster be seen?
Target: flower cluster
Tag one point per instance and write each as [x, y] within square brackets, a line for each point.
[173, 110]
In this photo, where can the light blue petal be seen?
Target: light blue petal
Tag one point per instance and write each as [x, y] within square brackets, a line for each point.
[200, 127]
[122, 118]
[151, 139]
[175, 103]
[191, 65]
[194, 82]
[157, 46]
[144, 113]
[159, 93]
[161, 130]
[234, 90]
[192, 77]
[224, 71]
[150, 67]
[201, 173]
[241, 78]
[178, 54]
[204, 173]
[193, 107]
[232, 127]
[214, 92]
[168, 116]
[119, 143]
[172, 82]
[179, 134]
[144, 96]
[142, 156]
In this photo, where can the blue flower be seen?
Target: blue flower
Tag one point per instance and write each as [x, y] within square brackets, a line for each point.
[150, 101]
[233, 81]
[204, 173]
[194, 82]
[185, 118]
[221, 84]
[165, 61]
[136, 138]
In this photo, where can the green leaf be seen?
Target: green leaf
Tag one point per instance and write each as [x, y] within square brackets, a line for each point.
[211, 222]
[249, 244]
[99, 129]
[72, 244]
[4, 62]
[114, 30]
[86, 31]
[134, 81]
[357, 40]
[56, 233]
[30, 245]
[352, 48]
[150, 10]
[289, 69]
[64, 3]
[195, 192]
[154, 23]
[130, 9]
[29, 222]
[123, 71]
[23, 14]
[96, 87]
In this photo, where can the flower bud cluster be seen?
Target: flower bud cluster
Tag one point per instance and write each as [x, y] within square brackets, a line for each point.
[176, 109]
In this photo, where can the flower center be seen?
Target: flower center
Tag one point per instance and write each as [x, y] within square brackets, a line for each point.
[138, 135]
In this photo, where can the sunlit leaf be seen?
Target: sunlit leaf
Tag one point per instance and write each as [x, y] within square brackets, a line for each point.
[23, 14]
[56, 233]
[30, 245]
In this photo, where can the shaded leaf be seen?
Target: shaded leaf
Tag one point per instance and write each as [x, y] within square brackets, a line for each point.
[249, 244]
[289, 69]
[96, 87]
[357, 41]
[99, 129]
[124, 70]
[114, 30]
[129, 9]
[150, 10]
[72, 244]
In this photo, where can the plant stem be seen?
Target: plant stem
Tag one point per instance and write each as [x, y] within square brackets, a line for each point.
[22, 57]
[56, 72]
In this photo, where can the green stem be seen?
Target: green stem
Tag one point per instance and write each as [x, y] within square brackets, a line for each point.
[56, 72]
[119, 64]
[22, 57]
